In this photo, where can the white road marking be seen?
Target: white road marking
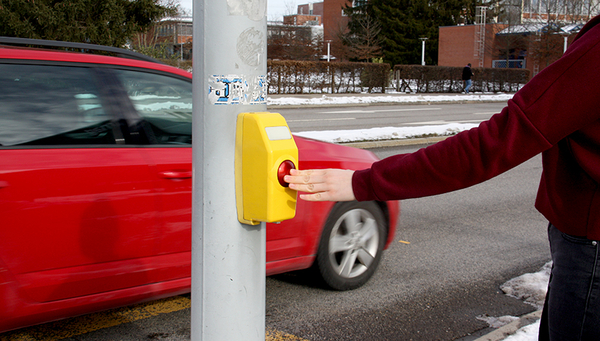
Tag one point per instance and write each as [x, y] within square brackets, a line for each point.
[374, 111]
[325, 119]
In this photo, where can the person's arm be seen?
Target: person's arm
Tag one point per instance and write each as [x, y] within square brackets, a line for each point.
[322, 184]
[560, 100]
[460, 161]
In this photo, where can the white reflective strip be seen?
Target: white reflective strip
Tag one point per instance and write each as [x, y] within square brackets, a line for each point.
[278, 133]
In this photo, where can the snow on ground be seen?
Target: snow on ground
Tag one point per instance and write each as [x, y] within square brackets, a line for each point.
[328, 99]
[387, 133]
[531, 288]
[527, 333]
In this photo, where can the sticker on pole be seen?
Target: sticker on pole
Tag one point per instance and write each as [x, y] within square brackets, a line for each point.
[251, 46]
[254, 9]
[232, 90]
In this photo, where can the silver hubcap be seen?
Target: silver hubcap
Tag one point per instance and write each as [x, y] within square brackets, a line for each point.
[353, 243]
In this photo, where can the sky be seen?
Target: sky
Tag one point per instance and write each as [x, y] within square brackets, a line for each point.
[530, 287]
[276, 9]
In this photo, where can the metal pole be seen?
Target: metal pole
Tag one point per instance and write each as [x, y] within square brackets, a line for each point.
[423, 50]
[328, 50]
[228, 258]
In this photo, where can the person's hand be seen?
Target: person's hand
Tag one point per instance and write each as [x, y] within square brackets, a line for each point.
[322, 184]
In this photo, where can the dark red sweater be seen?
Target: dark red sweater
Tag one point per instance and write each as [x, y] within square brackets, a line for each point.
[557, 114]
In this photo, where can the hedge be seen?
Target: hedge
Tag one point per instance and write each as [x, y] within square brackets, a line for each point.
[302, 77]
[446, 79]
[309, 77]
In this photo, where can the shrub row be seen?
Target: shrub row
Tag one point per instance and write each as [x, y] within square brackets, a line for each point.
[301, 77]
[446, 79]
[304, 77]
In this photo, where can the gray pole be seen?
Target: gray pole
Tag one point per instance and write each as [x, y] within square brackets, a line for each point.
[228, 258]
[423, 50]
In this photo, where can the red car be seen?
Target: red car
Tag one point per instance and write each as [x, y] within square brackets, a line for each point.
[92, 216]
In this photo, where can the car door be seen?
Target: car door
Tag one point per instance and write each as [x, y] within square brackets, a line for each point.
[163, 104]
[77, 205]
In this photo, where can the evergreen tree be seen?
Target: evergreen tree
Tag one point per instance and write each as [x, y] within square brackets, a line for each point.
[403, 22]
[104, 22]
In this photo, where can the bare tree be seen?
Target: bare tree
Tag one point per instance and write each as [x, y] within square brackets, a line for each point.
[546, 45]
[365, 42]
[533, 28]
[510, 43]
[293, 42]
[290, 7]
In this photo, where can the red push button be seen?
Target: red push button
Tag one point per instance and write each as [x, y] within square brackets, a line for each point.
[284, 169]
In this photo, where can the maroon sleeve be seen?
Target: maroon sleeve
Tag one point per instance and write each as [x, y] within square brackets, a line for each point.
[560, 100]
[468, 158]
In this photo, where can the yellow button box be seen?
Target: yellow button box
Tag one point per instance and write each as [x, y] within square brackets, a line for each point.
[265, 152]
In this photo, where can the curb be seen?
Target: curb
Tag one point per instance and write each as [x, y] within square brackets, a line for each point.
[394, 143]
[476, 98]
[511, 328]
[346, 105]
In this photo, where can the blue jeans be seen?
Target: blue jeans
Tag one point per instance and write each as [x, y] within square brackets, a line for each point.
[468, 84]
[572, 307]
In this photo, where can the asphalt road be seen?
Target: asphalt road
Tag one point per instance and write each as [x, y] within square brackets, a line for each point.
[397, 115]
[451, 254]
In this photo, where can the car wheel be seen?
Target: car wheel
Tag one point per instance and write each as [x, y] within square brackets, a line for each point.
[351, 244]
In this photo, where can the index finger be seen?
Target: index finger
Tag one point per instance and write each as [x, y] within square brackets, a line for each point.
[303, 176]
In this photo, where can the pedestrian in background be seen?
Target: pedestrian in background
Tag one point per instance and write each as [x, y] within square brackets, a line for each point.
[557, 113]
[467, 74]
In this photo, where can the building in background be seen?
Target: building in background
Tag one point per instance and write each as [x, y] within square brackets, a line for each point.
[333, 18]
[529, 35]
[171, 37]
[311, 34]
[334, 24]
[297, 38]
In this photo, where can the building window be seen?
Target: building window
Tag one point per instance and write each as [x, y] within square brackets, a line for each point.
[165, 31]
[185, 29]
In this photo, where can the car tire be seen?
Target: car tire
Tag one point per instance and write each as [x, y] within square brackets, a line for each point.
[351, 244]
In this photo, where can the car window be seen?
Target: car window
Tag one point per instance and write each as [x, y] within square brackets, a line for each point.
[164, 102]
[51, 105]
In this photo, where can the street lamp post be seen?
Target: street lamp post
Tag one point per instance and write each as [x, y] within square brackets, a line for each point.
[422, 50]
[565, 36]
